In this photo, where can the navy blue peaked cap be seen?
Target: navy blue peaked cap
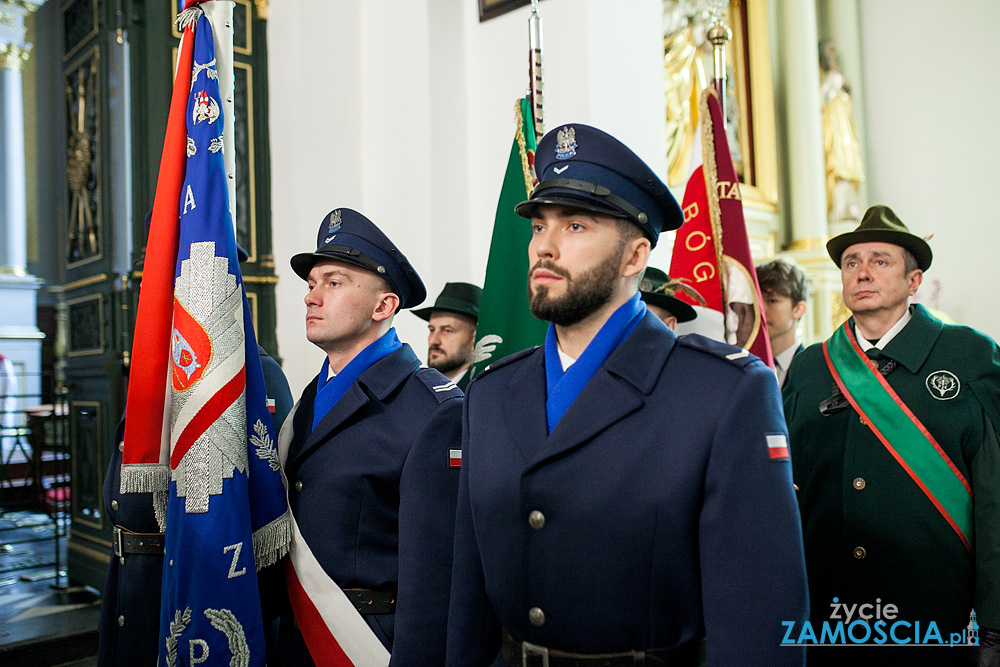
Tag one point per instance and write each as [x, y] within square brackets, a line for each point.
[581, 166]
[350, 237]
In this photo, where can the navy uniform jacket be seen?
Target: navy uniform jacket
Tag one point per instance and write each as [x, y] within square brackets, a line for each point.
[664, 518]
[374, 496]
[130, 610]
[853, 493]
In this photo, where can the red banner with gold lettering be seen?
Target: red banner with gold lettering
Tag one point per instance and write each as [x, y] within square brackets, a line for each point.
[712, 249]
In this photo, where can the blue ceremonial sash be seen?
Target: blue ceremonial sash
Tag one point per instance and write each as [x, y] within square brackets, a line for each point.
[563, 387]
[329, 390]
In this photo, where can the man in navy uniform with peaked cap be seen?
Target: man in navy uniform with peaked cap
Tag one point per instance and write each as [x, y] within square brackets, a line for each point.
[370, 453]
[626, 495]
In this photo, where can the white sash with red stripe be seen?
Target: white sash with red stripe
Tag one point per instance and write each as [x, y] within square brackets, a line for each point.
[334, 631]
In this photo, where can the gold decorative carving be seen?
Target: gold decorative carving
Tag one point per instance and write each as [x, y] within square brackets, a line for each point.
[28, 7]
[85, 282]
[838, 310]
[83, 237]
[13, 56]
[809, 244]
[261, 6]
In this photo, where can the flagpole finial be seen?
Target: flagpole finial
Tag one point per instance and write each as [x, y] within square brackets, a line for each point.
[719, 35]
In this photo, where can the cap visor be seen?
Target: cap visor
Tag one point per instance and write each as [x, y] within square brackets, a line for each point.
[526, 209]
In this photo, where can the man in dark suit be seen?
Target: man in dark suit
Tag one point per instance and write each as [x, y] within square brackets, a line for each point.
[371, 454]
[626, 495]
[784, 289]
[893, 424]
[451, 331]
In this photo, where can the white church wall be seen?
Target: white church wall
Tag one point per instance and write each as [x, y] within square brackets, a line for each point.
[404, 111]
[932, 151]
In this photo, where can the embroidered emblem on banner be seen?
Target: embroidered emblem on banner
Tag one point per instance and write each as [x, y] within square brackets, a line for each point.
[209, 423]
[205, 108]
[777, 447]
[208, 68]
[192, 349]
[943, 385]
[191, 148]
[565, 143]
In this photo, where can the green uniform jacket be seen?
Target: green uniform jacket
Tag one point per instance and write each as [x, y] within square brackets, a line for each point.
[870, 532]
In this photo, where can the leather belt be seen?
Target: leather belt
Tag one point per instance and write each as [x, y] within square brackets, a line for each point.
[372, 602]
[526, 654]
[127, 542]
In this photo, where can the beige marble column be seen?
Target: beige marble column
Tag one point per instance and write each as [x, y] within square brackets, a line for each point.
[799, 68]
[804, 166]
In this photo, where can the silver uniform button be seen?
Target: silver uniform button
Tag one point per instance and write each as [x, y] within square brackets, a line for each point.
[536, 519]
[121, 446]
[536, 616]
[114, 504]
[121, 621]
[298, 485]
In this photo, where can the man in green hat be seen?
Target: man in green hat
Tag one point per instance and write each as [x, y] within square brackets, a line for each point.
[657, 290]
[895, 456]
[451, 331]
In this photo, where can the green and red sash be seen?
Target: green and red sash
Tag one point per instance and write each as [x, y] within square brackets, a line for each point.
[903, 435]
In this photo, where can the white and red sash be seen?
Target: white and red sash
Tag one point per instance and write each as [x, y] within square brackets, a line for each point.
[335, 633]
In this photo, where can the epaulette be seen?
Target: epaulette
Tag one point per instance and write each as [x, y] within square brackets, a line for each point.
[509, 359]
[438, 384]
[734, 355]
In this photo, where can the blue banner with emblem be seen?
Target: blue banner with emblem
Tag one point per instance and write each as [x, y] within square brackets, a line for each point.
[226, 515]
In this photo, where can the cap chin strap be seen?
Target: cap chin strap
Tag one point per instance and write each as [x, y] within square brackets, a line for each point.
[354, 255]
[594, 190]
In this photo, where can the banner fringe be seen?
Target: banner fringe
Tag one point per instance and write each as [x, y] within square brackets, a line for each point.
[272, 541]
[145, 477]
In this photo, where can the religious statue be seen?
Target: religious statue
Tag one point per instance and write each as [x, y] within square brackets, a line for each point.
[844, 167]
[687, 57]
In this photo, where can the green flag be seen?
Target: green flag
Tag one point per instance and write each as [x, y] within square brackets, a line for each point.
[506, 324]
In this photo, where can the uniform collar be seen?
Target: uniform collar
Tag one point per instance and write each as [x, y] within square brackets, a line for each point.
[640, 358]
[886, 337]
[912, 344]
[388, 373]
[784, 359]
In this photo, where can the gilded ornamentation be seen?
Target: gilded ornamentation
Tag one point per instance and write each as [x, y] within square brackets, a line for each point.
[845, 169]
[688, 67]
[261, 6]
[81, 162]
[13, 56]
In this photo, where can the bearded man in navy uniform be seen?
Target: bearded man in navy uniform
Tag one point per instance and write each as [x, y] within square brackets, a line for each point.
[626, 495]
[370, 453]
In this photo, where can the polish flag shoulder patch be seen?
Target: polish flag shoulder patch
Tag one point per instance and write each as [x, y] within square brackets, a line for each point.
[777, 447]
[454, 458]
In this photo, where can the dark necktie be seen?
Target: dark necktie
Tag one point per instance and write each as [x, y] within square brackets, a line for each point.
[837, 402]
